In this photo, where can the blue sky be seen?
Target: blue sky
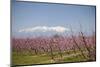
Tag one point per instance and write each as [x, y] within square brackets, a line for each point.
[26, 15]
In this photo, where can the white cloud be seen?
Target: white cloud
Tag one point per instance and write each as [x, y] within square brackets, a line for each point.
[45, 29]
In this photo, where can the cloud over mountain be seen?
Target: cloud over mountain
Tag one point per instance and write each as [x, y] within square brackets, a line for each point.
[59, 29]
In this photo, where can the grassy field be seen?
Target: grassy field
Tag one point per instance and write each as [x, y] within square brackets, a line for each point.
[25, 59]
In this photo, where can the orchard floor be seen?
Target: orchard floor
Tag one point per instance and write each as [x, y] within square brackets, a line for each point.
[27, 58]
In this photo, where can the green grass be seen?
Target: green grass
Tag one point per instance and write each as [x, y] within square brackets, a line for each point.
[21, 59]
[30, 59]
